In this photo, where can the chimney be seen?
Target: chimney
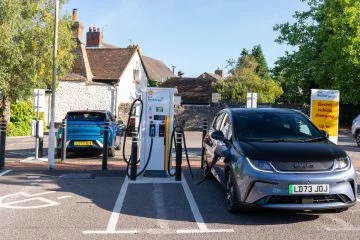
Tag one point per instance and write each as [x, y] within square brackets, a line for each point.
[173, 69]
[94, 37]
[75, 15]
[180, 74]
[77, 28]
[219, 72]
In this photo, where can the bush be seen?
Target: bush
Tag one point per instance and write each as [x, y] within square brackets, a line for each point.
[22, 114]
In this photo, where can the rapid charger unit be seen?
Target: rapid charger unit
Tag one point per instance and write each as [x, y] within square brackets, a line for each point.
[156, 126]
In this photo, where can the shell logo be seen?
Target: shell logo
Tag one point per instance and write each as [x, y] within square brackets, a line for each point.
[150, 92]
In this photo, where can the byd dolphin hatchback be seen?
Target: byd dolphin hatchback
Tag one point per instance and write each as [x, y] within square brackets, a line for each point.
[276, 158]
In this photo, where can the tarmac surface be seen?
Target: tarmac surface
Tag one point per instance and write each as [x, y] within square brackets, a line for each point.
[78, 200]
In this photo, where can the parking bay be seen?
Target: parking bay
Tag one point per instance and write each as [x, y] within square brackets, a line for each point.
[83, 206]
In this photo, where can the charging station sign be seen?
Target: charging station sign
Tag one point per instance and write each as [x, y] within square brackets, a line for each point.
[325, 111]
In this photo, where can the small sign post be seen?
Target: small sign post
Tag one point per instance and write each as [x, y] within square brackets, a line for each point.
[325, 111]
[251, 100]
[39, 106]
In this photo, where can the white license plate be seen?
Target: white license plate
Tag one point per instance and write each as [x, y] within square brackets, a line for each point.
[308, 188]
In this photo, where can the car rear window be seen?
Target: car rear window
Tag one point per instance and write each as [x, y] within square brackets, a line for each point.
[85, 116]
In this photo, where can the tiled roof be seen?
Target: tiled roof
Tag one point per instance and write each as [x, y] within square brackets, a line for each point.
[191, 90]
[211, 76]
[156, 69]
[109, 63]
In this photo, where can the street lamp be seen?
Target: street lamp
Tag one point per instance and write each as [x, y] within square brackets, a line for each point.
[51, 147]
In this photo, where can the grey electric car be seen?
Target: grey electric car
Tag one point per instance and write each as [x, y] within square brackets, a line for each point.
[276, 158]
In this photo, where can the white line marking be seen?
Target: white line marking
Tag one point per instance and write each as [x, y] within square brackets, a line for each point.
[33, 177]
[63, 197]
[111, 232]
[32, 197]
[117, 208]
[358, 199]
[5, 172]
[32, 159]
[193, 206]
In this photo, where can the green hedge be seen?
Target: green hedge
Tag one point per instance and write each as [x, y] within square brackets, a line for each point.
[22, 114]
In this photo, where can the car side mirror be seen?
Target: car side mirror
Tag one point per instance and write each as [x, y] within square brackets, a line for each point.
[325, 133]
[218, 135]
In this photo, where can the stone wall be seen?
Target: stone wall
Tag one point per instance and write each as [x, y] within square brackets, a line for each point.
[192, 117]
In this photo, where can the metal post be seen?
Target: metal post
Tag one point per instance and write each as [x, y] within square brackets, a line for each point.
[105, 146]
[63, 140]
[2, 144]
[134, 155]
[41, 147]
[204, 130]
[37, 126]
[178, 150]
[51, 148]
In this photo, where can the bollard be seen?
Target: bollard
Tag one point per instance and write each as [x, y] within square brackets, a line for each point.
[178, 151]
[133, 156]
[41, 147]
[204, 130]
[2, 144]
[105, 146]
[63, 140]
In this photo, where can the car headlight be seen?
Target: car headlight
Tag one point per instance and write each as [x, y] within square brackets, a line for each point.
[341, 163]
[261, 165]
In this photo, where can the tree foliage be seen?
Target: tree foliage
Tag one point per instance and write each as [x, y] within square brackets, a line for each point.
[327, 39]
[246, 79]
[26, 43]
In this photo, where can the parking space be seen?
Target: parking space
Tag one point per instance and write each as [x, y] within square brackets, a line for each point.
[94, 205]
[79, 201]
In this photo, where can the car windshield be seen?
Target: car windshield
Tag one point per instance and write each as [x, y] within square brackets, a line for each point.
[85, 116]
[275, 127]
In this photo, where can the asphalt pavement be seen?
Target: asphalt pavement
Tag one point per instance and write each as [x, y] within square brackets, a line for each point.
[80, 201]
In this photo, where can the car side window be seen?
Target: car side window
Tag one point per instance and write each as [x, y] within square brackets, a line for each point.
[226, 127]
[217, 122]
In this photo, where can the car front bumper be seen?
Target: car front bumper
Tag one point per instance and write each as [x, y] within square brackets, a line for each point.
[271, 190]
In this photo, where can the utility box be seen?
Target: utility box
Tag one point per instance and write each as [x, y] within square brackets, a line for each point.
[156, 127]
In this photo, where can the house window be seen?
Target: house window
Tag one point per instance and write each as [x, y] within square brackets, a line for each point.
[136, 75]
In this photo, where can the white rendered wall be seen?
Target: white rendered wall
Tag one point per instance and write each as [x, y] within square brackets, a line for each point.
[76, 95]
[127, 87]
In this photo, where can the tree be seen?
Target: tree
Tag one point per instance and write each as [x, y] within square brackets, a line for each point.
[328, 44]
[262, 70]
[26, 47]
[244, 80]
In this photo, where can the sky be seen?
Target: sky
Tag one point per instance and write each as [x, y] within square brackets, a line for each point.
[195, 36]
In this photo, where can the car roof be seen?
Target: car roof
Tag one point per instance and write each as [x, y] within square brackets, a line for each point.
[88, 111]
[260, 110]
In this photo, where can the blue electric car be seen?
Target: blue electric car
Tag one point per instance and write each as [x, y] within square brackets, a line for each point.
[85, 132]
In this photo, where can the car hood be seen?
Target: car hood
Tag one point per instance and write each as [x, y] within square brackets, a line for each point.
[291, 151]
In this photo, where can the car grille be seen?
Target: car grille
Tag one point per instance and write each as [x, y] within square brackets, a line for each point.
[313, 199]
[309, 166]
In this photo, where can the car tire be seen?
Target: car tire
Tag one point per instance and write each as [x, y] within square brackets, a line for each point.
[232, 204]
[112, 151]
[357, 138]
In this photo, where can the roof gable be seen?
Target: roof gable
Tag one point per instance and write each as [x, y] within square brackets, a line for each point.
[156, 69]
[109, 63]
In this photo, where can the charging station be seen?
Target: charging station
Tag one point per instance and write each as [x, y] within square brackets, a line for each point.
[156, 125]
